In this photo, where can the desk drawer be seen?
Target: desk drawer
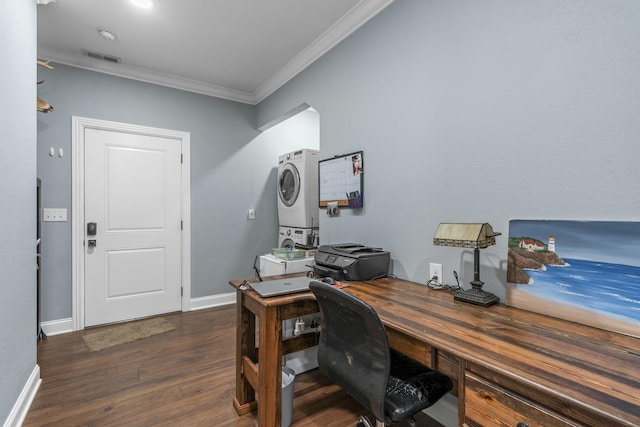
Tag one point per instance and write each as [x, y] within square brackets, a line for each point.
[412, 348]
[450, 366]
[488, 404]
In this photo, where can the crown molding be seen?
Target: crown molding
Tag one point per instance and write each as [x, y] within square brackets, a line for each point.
[354, 19]
[148, 76]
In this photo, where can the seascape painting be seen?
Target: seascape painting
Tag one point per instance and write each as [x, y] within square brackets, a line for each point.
[583, 271]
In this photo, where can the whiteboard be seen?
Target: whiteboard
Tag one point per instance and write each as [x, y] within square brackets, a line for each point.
[340, 179]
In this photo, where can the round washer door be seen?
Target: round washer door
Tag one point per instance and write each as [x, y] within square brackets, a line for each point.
[288, 243]
[289, 185]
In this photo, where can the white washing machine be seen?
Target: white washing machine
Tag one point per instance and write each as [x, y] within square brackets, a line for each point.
[289, 236]
[298, 189]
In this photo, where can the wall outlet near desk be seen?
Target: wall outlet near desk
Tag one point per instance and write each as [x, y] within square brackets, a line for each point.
[435, 271]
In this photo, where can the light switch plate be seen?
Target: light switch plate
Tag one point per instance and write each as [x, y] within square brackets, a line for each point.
[54, 215]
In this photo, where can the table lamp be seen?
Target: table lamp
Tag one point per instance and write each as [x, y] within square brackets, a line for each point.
[476, 236]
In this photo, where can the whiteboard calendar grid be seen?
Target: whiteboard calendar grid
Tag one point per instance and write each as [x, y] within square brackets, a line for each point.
[340, 180]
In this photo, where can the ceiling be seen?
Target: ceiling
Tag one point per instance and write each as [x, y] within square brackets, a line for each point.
[242, 50]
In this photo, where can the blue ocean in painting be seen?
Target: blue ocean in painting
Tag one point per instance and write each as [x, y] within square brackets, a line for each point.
[611, 289]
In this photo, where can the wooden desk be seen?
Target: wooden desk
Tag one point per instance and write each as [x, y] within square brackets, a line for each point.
[508, 365]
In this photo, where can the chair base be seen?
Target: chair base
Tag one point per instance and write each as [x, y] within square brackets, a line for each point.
[364, 422]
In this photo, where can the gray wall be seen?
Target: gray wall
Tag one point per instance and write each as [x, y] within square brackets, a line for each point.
[474, 111]
[17, 200]
[224, 182]
[467, 112]
[233, 168]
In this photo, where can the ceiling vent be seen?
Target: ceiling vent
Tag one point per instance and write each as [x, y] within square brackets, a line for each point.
[102, 56]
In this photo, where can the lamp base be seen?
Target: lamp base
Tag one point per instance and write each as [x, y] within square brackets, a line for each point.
[477, 296]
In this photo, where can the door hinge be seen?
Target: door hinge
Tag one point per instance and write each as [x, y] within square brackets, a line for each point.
[181, 291]
[181, 225]
[181, 158]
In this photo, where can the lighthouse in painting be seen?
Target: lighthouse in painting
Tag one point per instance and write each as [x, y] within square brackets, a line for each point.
[551, 247]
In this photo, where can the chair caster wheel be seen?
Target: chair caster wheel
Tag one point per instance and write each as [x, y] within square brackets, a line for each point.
[364, 422]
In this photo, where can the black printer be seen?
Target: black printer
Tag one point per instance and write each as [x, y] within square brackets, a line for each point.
[351, 261]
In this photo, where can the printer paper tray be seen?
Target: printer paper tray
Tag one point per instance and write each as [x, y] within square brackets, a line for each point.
[322, 271]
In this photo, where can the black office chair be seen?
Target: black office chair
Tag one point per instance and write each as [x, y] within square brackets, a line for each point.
[355, 354]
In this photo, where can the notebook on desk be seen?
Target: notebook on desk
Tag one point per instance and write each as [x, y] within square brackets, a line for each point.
[271, 288]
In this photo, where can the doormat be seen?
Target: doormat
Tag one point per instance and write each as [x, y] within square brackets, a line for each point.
[127, 332]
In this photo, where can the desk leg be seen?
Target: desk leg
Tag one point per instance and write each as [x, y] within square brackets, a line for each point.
[245, 399]
[270, 368]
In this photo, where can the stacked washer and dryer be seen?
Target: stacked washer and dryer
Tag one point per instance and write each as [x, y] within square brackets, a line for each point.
[297, 210]
[298, 198]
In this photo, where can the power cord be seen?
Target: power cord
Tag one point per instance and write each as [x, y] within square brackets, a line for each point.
[433, 283]
[257, 270]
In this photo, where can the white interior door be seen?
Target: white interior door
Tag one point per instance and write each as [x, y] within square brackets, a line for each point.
[132, 186]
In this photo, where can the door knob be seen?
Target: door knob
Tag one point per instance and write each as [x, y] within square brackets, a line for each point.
[92, 243]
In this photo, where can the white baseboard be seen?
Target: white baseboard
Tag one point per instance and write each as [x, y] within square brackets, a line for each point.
[57, 327]
[19, 412]
[63, 326]
[445, 411]
[213, 301]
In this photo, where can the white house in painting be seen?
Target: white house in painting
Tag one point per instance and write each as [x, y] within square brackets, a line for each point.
[531, 245]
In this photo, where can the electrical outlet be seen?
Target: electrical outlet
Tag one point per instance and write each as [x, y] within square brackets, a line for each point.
[435, 270]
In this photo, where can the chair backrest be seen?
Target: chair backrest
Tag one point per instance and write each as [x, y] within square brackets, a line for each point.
[353, 349]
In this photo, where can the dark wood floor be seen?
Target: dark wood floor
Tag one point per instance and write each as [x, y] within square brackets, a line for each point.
[181, 378]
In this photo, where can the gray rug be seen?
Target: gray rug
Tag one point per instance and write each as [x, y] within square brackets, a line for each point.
[126, 332]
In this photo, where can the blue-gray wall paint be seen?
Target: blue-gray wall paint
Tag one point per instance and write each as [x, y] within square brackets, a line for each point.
[233, 168]
[466, 111]
[17, 200]
[223, 242]
[473, 111]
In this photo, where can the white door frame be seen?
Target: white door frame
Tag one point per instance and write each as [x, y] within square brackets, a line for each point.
[78, 125]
